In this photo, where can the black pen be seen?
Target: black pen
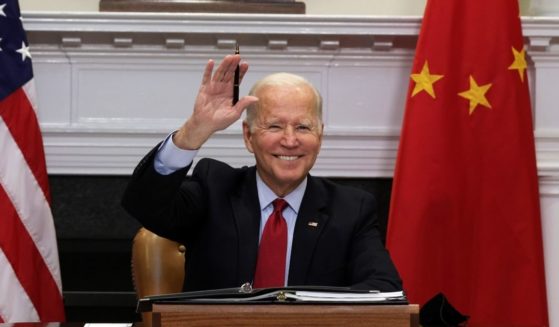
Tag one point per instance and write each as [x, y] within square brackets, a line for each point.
[236, 80]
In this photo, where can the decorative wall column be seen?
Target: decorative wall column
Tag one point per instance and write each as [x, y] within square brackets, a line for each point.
[549, 194]
[544, 54]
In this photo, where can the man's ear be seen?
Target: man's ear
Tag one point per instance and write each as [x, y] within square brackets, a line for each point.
[321, 132]
[247, 137]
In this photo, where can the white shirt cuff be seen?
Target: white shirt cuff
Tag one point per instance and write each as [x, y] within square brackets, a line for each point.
[170, 158]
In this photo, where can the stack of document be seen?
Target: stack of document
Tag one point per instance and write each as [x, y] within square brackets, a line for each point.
[318, 296]
[293, 294]
[304, 294]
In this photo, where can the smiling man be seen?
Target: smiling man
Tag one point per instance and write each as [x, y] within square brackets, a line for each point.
[272, 224]
[284, 130]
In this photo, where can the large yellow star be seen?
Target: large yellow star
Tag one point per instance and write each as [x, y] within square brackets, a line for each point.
[476, 95]
[424, 81]
[519, 62]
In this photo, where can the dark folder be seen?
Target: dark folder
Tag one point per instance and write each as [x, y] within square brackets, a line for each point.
[292, 294]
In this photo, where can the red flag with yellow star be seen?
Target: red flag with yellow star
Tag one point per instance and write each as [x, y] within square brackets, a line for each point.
[465, 216]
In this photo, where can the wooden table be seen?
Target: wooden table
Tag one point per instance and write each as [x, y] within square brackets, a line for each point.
[264, 315]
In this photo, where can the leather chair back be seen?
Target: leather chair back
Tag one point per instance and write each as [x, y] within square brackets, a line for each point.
[157, 266]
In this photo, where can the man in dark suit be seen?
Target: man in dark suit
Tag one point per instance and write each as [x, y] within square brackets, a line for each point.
[327, 234]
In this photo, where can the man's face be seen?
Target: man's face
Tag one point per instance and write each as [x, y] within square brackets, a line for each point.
[285, 137]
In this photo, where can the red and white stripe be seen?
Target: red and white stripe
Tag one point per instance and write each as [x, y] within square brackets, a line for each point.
[30, 284]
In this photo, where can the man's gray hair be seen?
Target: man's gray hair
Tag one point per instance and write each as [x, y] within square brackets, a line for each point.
[282, 79]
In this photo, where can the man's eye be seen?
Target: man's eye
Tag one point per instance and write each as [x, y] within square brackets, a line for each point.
[274, 127]
[303, 128]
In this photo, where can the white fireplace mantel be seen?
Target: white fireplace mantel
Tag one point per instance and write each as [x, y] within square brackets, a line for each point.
[111, 85]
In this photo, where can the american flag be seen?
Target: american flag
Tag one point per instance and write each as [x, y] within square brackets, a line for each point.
[30, 284]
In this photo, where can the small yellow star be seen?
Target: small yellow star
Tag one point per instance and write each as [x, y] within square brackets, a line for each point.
[519, 62]
[476, 95]
[424, 81]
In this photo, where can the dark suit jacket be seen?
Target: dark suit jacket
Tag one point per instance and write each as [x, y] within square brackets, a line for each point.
[216, 214]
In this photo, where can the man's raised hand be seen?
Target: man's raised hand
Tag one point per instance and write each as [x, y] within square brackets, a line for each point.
[213, 108]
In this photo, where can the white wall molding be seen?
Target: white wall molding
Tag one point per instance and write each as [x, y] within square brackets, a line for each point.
[113, 81]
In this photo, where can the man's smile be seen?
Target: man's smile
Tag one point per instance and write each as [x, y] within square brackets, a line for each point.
[288, 158]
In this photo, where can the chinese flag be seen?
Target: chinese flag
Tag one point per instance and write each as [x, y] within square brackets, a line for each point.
[465, 216]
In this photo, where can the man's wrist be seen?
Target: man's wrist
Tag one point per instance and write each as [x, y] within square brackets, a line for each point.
[170, 157]
[188, 137]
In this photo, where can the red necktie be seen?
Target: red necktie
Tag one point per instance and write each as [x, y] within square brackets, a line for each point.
[270, 267]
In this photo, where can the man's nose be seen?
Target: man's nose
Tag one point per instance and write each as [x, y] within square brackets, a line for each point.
[290, 138]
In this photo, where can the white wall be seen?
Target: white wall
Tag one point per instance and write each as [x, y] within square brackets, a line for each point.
[314, 7]
[59, 5]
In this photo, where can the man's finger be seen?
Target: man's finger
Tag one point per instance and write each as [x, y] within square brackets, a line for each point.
[224, 67]
[244, 102]
[231, 68]
[208, 71]
[243, 68]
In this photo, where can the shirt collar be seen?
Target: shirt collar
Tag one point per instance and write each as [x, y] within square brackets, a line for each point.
[266, 196]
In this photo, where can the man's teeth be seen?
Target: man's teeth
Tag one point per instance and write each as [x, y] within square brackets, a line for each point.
[288, 157]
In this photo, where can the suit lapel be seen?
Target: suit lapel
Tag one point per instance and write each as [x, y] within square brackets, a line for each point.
[310, 223]
[246, 210]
